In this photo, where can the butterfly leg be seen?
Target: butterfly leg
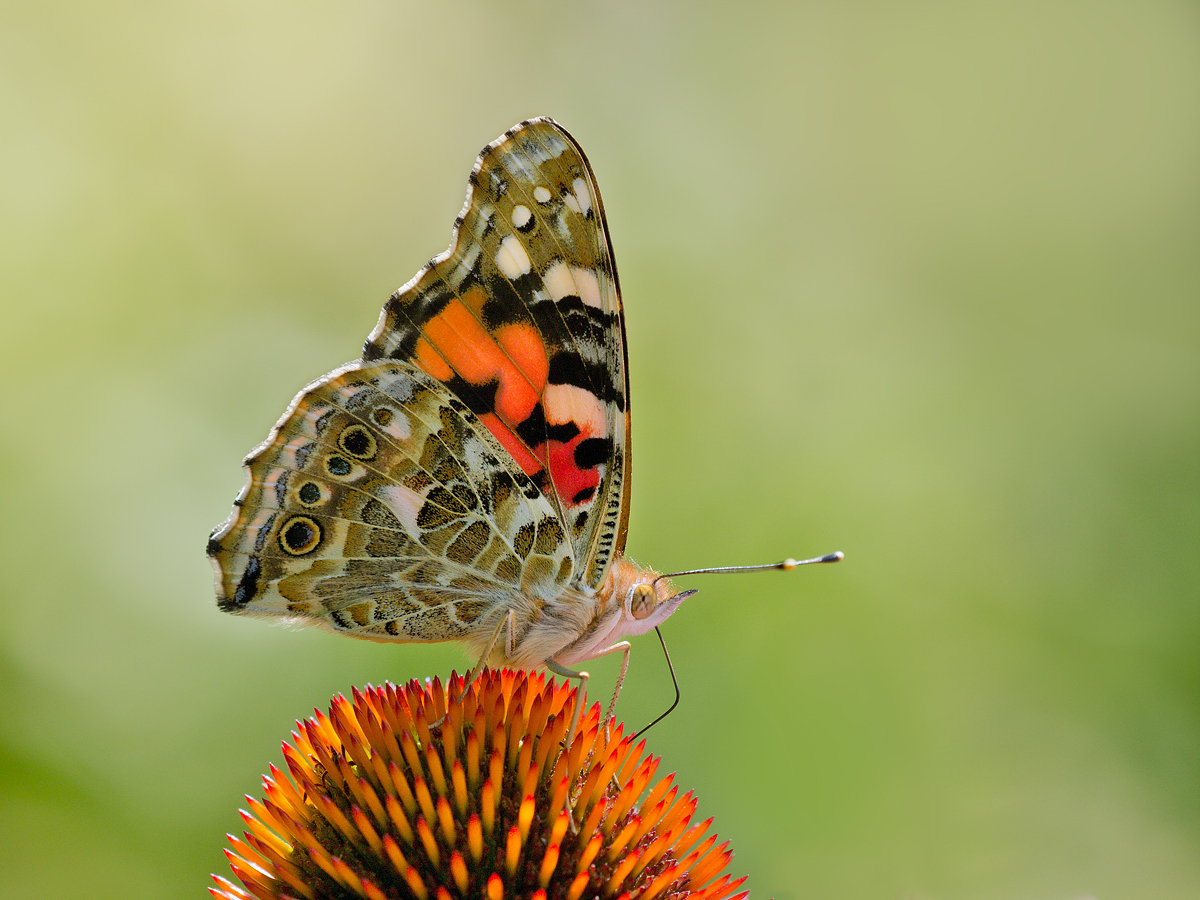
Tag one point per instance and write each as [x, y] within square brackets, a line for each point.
[558, 669]
[583, 680]
[473, 674]
[624, 647]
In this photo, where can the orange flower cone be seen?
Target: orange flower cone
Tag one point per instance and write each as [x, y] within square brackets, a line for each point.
[420, 792]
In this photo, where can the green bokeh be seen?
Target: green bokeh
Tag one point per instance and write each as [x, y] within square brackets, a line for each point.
[917, 281]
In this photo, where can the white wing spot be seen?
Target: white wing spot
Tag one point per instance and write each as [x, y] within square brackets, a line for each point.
[521, 216]
[512, 258]
[564, 281]
[572, 202]
[583, 195]
[568, 403]
[541, 194]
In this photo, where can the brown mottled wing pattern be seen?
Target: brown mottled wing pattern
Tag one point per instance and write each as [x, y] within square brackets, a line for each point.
[380, 505]
[521, 319]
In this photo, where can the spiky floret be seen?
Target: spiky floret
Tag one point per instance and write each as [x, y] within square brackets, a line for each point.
[421, 792]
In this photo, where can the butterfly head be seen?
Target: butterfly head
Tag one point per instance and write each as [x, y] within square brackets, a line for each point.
[648, 601]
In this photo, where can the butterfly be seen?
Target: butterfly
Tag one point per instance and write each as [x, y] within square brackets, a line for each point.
[468, 478]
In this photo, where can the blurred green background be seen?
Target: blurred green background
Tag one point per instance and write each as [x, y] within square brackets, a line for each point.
[917, 281]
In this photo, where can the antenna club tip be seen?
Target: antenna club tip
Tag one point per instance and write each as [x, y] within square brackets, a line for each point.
[790, 563]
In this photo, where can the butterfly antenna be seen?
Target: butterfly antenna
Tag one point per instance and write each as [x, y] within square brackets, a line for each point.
[836, 556]
[674, 680]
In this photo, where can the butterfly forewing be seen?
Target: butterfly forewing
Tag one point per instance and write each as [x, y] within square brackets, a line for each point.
[521, 318]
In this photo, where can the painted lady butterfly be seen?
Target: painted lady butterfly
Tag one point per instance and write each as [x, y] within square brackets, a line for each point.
[470, 474]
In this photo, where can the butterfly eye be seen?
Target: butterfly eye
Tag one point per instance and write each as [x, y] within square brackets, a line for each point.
[358, 442]
[642, 601]
[299, 535]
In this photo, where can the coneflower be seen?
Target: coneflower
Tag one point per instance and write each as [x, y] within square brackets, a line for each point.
[422, 792]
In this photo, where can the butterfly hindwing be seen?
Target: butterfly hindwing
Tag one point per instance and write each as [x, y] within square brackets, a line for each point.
[521, 319]
[380, 505]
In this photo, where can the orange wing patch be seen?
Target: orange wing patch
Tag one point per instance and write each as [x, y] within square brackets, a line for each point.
[514, 358]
